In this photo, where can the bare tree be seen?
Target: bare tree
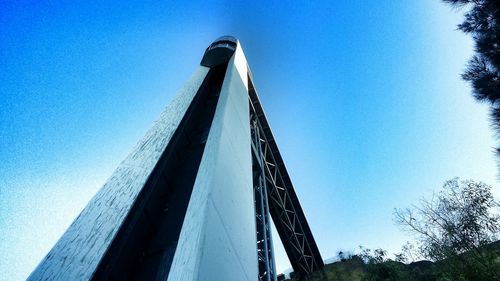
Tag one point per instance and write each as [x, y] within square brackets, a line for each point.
[456, 227]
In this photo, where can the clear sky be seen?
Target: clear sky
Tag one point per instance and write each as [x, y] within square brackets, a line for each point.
[364, 98]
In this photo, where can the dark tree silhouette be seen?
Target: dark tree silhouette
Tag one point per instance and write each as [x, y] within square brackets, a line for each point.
[482, 22]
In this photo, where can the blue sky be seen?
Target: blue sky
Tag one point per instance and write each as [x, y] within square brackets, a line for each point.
[364, 98]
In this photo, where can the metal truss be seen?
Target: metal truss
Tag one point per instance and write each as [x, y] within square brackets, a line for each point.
[283, 204]
[265, 251]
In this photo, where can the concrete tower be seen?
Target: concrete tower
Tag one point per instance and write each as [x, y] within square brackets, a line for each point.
[193, 200]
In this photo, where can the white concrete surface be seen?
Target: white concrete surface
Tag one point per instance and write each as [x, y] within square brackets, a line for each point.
[77, 253]
[218, 238]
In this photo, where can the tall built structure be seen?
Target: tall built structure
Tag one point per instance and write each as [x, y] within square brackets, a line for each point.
[195, 198]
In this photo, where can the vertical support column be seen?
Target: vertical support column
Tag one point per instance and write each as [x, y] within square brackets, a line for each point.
[267, 268]
[217, 239]
[283, 204]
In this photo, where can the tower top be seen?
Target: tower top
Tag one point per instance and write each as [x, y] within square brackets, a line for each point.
[220, 51]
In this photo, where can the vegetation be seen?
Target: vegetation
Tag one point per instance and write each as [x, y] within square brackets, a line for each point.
[455, 233]
[455, 230]
[482, 22]
[454, 227]
[380, 268]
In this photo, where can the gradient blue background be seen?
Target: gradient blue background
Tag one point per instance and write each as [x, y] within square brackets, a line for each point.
[364, 98]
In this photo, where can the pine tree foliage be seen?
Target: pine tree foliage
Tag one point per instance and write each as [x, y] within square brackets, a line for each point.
[482, 22]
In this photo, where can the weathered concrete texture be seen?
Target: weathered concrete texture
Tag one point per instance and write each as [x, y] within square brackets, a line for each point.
[78, 252]
[218, 238]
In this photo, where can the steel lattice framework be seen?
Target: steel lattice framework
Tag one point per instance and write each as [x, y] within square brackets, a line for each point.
[283, 203]
[264, 240]
[195, 198]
